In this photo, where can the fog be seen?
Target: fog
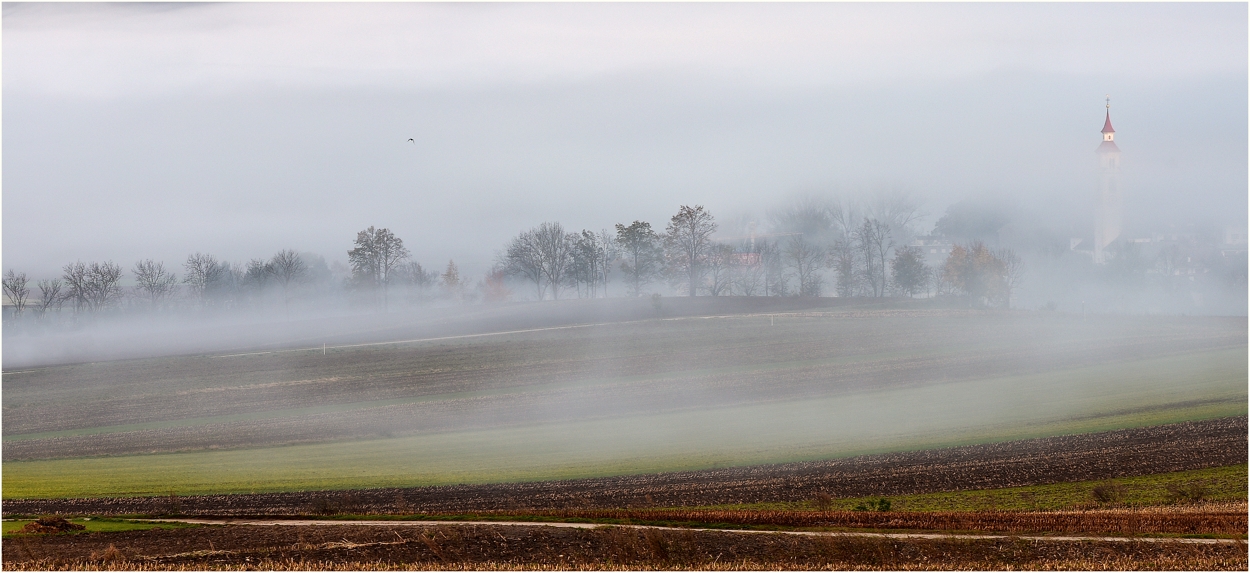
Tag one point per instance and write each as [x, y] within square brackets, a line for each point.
[353, 219]
[156, 131]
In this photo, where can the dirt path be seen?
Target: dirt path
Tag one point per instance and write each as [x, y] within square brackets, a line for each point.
[393, 523]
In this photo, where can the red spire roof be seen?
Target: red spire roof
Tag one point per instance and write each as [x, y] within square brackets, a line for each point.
[1106, 127]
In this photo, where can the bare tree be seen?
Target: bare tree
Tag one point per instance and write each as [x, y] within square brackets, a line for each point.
[16, 291]
[377, 253]
[154, 281]
[896, 208]
[522, 258]
[608, 252]
[257, 276]
[874, 242]
[846, 216]
[845, 267]
[204, 275]
[103, 285]
[544, 255]
[749, 274]
[75, 275]
[1013, 273]
[555, 251]
[364, 260]
[776, 280]
[417, 277]
[93, 287]
[807, 260]
[593, 255]
[687, 241]
[639, 247]
[50, 295]
[289, 270]
[584, 269]
[720, 270]
[391, 252]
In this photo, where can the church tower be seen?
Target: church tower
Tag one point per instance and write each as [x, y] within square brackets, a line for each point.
[1110, 198]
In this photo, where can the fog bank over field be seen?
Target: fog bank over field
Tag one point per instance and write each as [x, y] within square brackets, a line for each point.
[687, 392]
[156, 131]
[145, 336]
[210, 178]
[296, 247]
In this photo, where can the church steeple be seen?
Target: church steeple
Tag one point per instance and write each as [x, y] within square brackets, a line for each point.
[1108, 132]
[1108, 218]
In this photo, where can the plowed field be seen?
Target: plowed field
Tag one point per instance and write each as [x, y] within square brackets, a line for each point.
[1104, 455]
[536, 547]
[582, 401]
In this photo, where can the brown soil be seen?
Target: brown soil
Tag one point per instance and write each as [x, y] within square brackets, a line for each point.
[1142, 451]
[51, 524]
[499, 381]
[1127, 522]
[538, 547]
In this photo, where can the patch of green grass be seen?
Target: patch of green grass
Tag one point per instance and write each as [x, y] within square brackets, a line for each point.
[1200, 385]
[1228, 483]
[99, 524]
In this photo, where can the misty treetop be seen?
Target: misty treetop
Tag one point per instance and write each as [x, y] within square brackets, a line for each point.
[688, 257]
[154, 282]
[16, 291]
[377, 255]
[687, 243]
[641, 255]
[208, 285]
[911, 275]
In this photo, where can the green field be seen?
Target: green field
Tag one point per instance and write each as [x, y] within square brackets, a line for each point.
[615, 400]
[777, 432]
[1222, 484]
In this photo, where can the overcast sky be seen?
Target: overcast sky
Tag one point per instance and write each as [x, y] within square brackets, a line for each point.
[158, 130]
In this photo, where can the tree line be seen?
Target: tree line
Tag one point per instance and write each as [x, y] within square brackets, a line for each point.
[863, 258]
[378, 261]
[89, 288]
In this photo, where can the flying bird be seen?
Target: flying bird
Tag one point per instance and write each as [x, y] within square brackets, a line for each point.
[414, 142]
